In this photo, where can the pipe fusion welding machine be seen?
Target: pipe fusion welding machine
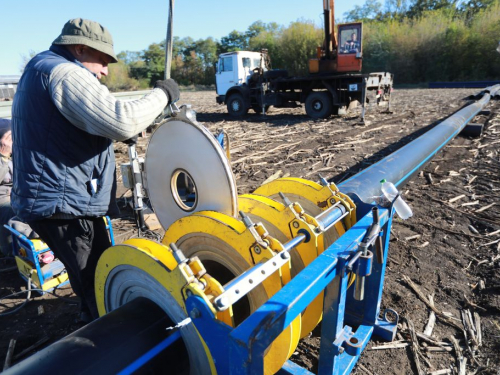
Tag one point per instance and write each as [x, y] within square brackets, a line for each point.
[237, 281]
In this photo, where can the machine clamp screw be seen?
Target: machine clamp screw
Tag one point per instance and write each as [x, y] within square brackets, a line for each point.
[295, 224]
[257, 250]
[285, 255]
[341, 350]
[332, 201]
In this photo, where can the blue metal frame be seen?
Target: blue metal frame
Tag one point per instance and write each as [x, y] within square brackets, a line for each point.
[347, 324]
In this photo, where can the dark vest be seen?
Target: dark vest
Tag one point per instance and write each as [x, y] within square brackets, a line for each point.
[58, 169]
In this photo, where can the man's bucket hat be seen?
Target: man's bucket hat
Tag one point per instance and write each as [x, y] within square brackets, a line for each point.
[88, 33]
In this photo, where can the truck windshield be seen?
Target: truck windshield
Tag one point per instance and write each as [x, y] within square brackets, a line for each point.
[247, 63]
[256, 64]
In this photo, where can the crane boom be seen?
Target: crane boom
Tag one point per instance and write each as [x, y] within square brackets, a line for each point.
[330, 40]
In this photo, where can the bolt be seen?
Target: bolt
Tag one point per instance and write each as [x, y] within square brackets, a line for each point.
[256, 249]
[341, 350]
[322, 180]
[285, 255]
[332, 201]
[221, 302]
[195, 313]
[295, 224]
[285, 199]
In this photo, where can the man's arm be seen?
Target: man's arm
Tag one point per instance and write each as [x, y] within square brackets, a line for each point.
[89, 106]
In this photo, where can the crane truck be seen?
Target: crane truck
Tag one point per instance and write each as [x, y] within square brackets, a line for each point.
[245, 81]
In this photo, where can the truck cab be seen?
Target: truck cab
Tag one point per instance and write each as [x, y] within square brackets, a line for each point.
[234, 69]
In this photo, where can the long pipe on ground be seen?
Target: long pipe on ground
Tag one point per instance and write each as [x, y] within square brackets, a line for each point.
[127, 336]
[131, 339]
[404, 163]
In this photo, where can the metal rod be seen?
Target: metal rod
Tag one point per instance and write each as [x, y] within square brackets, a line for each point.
[331, 216]
[293, 242]
[372, 235]
[401, 165]
[169, 40]
[137, 187]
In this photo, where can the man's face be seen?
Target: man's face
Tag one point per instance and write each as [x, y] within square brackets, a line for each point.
[354, 37]
[95, 61]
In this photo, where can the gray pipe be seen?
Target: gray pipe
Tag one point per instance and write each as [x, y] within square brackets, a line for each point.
[401, 165]
[169, 40]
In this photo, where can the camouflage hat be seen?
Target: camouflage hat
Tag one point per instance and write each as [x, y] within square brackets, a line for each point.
[88, 33]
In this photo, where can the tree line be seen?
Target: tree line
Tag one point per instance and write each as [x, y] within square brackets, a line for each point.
[417, 40]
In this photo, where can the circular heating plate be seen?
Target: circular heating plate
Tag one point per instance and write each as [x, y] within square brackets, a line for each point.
[181, 150]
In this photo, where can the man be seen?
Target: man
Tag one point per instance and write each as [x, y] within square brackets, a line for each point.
[64, 122]
[352, 46]
[6, 212]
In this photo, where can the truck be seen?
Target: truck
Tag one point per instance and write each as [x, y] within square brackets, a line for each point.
[244, 79]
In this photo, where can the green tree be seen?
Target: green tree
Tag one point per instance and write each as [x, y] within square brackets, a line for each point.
[118, 78]
[369, 10]
[472, 7]
[235, 41]
[153, 67]
[269, 39]
[297, 44]
[420, 6]
[129, 57]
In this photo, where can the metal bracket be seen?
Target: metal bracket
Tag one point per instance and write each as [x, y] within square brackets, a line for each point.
[259, 238]
[246, 282]
[343, 337]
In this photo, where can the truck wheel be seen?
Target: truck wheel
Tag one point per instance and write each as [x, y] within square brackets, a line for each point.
[319, 104]
[236, 106]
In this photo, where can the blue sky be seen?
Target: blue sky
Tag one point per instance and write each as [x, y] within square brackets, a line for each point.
[33, 24]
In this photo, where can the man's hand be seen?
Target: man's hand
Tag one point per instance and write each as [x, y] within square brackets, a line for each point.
[6, 144]
[170, 87]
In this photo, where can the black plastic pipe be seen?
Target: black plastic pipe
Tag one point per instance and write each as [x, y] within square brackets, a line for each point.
[114, 344]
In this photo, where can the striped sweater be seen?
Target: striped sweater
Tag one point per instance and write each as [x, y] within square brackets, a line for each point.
[88, 104]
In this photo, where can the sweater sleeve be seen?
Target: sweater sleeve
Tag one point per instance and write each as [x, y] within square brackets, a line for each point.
[88, 104]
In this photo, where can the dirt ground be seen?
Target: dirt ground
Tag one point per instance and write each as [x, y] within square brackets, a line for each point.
[450, 248]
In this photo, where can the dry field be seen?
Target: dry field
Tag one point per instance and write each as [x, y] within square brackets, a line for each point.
[449, 249]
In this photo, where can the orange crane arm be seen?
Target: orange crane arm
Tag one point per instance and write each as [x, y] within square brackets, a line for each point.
[330, 41]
